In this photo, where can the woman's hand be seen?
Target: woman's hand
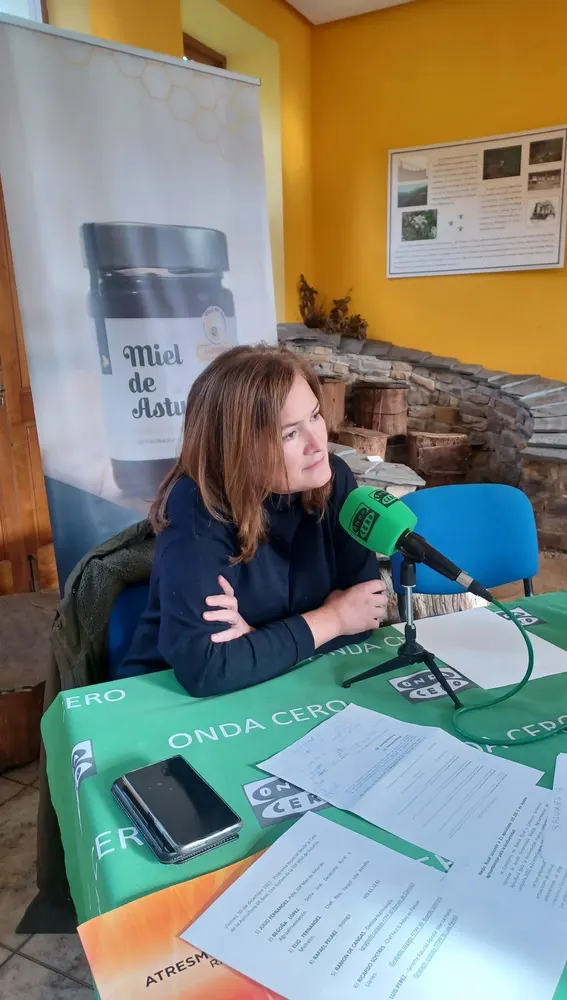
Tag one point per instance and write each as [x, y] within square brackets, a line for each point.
[227, 611]
[360, 607]
[347, 612]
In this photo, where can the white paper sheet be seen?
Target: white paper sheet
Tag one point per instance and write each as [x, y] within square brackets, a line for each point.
[486, 648]
[514, 869]
[415, 781]
[328, 913]
[555, 838]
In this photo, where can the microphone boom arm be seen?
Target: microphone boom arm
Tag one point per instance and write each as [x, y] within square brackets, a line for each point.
[416, 549]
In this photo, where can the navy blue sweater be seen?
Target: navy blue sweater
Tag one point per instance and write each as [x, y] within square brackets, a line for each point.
[303, 560]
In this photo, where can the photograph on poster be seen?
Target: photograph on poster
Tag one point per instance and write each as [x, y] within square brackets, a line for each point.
[419, 225]
[546, 151]
[544, 180]
[412, 194]
[501, 163]
[543, 211]
[412, 170]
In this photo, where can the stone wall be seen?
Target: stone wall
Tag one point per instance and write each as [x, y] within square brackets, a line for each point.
[516, 424]
[545, 482]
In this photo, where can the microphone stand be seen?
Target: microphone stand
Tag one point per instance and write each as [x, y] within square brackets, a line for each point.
[410, 651]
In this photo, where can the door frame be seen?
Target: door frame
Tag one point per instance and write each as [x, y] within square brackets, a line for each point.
[24, 514]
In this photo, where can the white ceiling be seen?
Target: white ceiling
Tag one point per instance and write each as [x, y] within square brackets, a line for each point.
[322, 11]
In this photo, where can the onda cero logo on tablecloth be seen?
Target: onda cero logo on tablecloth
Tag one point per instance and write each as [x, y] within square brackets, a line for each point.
[274, 800]
[423, 686]
[524, 617]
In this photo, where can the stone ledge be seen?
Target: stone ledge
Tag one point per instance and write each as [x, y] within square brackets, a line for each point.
[545, 454]
[557, 409]
[390, 476]
[553, 424]
[549, 439]
[531, 396]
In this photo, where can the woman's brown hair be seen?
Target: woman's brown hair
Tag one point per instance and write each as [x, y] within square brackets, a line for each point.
[232, 441]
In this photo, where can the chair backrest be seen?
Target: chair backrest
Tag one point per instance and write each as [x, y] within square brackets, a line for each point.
[487, 529]
[122, 623]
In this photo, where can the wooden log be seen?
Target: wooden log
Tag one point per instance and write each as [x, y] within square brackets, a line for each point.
[381, 408]
[25, 626]
[440, 458]
[20, 716]
[364, 441]
[442, 461]
[426, 605]
[333, 392]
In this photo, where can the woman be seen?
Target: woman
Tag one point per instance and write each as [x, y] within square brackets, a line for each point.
[252, 571]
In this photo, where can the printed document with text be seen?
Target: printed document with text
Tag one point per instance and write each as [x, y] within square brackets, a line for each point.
[325, 912]
[514, 867]
[417, 782]
[555, 839]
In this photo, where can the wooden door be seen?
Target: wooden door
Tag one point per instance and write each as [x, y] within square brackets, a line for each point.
[26, 550]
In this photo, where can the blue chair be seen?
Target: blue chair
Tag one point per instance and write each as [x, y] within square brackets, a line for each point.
[124, 617]
[487, 529]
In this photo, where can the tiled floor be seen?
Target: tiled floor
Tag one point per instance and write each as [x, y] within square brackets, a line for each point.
[41, 966]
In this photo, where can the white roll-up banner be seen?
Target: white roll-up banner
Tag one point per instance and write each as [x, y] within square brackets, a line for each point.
[137, 216]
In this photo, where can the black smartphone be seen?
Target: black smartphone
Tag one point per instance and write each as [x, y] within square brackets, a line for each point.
[175, 810]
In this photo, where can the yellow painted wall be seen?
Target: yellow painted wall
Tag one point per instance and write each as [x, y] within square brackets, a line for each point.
[250, 52]
[72, 15]
[144, 24]
[279, 21]
[279, 57]
[426, 72]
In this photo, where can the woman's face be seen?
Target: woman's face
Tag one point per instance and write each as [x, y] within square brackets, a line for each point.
[304, 441]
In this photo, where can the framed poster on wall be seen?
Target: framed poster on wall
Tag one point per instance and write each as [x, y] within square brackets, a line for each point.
[495, 204]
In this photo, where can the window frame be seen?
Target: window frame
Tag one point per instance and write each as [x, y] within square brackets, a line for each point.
[196, 51]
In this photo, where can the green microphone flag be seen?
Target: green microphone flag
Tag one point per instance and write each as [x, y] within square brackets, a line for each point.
[376, 519]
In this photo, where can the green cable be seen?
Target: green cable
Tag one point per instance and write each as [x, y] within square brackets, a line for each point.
[459, 712]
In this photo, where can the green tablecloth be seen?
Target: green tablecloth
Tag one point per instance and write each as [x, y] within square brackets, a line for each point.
[108, 729]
